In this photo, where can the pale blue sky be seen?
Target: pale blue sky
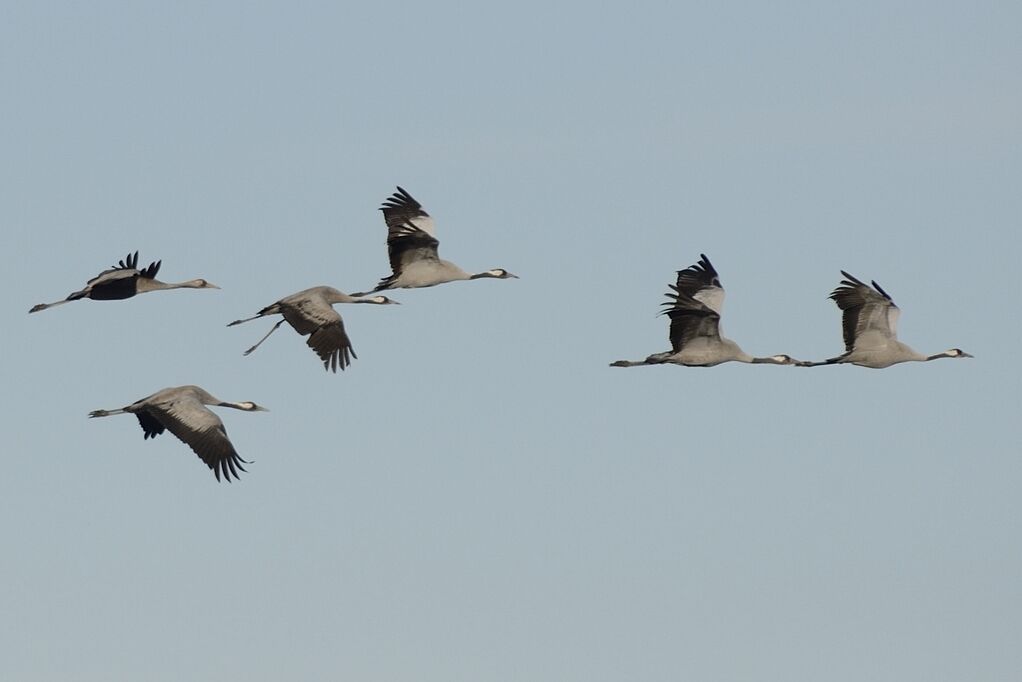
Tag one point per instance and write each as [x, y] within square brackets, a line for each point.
[479, 497]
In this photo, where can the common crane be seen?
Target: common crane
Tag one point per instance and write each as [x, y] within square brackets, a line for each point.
[412, 245]
[870, 325]
[182, 410]
[694, 308]
[311, 313]
[124, 280]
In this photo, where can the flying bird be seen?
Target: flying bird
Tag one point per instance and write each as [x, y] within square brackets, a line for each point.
[694, 307]
[311, 313]
[125, 280]
[182, 410]
[412, 244]
[870, 325]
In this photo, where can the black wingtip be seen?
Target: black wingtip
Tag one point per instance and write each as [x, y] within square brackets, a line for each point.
[880, 289]
[400, 199]
[852, 278]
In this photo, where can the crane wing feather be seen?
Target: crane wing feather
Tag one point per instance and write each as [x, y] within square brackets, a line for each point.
[401, 208]
[332, 345]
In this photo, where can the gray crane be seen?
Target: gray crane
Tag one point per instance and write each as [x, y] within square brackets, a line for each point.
[412, 245]
[182, 410]
[311, 313]
[694, 308]
[125, 280]
[870, 325]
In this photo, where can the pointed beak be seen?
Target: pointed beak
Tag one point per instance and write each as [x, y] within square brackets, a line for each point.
[967, 355]
[513, 276]
[260, 408]
[210, 285]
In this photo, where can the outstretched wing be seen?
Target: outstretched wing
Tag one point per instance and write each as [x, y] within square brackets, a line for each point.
[332, 345]
[411, 235]
[127, 268]
[690, 319]
[701, 282]
[865, 310]
[401, 208]
[201, 430]
[318, 320]
[120, 281]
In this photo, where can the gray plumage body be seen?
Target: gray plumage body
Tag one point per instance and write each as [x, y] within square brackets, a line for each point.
[311, 313]
[125, 280]
[182, 411]
[413, 249]
[869, 322]
[694, 307]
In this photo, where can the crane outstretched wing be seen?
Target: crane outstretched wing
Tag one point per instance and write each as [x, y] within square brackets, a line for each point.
[411, 235]
[200, 429]
[701, 282]
[690, 319]
[323, 325]
[865, 310]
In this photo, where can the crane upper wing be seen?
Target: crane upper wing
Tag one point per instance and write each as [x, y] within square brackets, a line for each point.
[411, 235]
[325, 328]
[401, 208]
[701, 282]
[690, 319]
[864, 310]
[332, 345]
[201, 429]
[126, 268]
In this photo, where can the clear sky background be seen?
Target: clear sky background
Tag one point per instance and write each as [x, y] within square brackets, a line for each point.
[480, 497]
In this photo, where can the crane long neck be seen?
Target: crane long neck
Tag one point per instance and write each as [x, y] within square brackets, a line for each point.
[157, 285]
[341, 297]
